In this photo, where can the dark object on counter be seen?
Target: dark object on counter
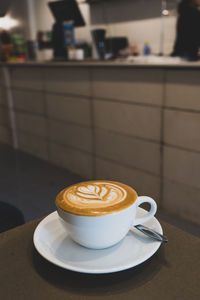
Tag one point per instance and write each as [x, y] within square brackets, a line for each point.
[10, 217]
[59, 50]
[98, 36]
[188, 31]
[63, 11]
[146, 49]
[86, 48]
[67, 10]
[42, 42]
[5, 38]
[115, 44]
[30, 50]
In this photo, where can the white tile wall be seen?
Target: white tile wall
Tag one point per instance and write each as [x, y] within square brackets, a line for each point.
[76, 161]
[182, 200]
[70, 134]
[127, 150]
[31, 124]
[68, 108]
[182, 129]
[30, 101]
[129, 119]
[143, 183]
[4, 117]
[135, 85]
[3, 96]
[27, 77]
[5, 135]
[68, 80]
[182, 166]
[183, 89]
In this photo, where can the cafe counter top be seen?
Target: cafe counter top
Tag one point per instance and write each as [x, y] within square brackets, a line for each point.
[137, 62]
[172, 273]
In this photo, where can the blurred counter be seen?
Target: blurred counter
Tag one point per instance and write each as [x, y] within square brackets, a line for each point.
[133, 122]
[140, 61]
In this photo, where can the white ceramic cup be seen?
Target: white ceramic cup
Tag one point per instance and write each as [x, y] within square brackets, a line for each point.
[79, 54]
[98, 232]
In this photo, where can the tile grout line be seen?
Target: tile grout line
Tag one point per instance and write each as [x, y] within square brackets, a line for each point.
[120, 101]
[11, 111]
[94, 171]
[162, 139]
[94, 155]
[45, 115]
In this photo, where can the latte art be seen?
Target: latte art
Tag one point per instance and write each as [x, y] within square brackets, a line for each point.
[95, 195]
[95, 198]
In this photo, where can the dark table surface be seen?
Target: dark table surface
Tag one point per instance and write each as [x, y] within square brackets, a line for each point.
[172, 273]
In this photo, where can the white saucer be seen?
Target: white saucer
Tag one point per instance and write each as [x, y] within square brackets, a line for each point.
[52, 241]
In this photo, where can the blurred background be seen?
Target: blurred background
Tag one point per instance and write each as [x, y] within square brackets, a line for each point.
[128, 25]
[100, 90]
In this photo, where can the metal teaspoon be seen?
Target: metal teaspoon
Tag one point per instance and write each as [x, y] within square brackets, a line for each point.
[152, 233]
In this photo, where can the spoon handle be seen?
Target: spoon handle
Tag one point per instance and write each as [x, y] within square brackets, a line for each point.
[152, 233]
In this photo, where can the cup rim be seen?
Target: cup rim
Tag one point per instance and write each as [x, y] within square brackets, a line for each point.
[94, 216]
[116, 208]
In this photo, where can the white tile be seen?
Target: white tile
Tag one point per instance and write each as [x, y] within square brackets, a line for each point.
[140, 85]
[69, 108]
[129, 119]
[31, 101]
[75, 161]
[31, 124]
[183, 89]
[182, 166]
[2, 77]
[3, 96]
[143, 183]
[27, 77]
[5, 135]
[128, 150]
[68, 80]
[181, 200]
[4, 116]
[70, 134]
[182, 129]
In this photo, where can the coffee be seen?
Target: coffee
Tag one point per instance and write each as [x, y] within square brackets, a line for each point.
[96, 198]
[98, 214]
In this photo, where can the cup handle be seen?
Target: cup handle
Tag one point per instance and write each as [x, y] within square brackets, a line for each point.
[150, 214]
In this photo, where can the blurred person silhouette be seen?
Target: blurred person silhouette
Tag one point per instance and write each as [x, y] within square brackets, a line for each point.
[187, 42]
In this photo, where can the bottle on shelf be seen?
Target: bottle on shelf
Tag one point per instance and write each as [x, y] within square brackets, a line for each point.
[146, 49]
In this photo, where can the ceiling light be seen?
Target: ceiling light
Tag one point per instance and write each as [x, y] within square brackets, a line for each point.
[7, 22]
[165, 12]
